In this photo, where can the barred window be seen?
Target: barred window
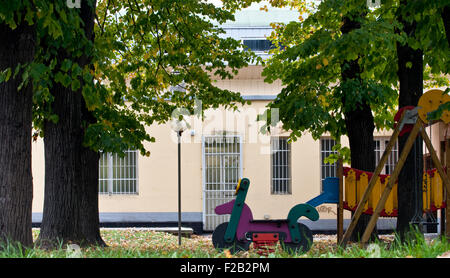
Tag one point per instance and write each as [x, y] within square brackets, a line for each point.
[380, 146]
[259, 45]
[118, 175]
[326, 169]
[281, 165]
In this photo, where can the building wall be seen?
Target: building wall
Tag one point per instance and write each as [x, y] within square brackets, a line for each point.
[156, 201]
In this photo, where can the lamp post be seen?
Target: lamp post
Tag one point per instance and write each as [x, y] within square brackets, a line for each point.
[179, 185]
[179, 126]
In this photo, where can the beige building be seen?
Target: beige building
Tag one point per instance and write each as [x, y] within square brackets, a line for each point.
[215, 153]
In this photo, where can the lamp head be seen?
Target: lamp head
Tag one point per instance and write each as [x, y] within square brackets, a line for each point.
[178, 126]
[178, 122]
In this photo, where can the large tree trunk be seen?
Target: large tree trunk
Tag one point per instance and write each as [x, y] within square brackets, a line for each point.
[409, 189]
[71, 170]
[90, 225]
[16, 184]
[63, 194]
[360, 127]
[445, 14]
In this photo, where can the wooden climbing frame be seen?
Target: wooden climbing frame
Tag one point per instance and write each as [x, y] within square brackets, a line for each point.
[406, 116]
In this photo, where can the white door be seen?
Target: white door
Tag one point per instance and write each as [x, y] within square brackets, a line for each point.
[222, 168]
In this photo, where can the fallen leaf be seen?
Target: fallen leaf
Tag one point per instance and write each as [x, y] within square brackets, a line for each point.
[228, 254]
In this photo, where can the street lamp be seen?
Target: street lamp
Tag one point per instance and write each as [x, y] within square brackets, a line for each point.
[179, 126]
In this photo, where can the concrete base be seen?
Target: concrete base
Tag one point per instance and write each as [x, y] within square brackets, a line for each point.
[185, 231]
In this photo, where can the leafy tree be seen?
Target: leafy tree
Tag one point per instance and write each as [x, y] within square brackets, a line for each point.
[327, 63]
[410, 73]
[71, 169]
[342, 64]
[158, 45]
[422, 54]
[99, 94]
[444, 8]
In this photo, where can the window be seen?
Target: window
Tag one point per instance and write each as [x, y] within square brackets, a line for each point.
[281, 165]
[326, 169]
[118, 175]
[259, 45]
[330, 170]
[380, 146]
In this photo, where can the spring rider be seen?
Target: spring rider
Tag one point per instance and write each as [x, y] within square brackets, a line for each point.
[237, 234]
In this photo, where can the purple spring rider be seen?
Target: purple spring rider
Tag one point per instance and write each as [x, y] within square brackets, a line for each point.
[238, 233]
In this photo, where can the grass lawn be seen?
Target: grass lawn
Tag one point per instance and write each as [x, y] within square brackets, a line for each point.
[141, 243]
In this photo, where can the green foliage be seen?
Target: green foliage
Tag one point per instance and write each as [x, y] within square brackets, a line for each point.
[416, 246]
[430, 33]
[338, 152]
[144, 49]
[11, 11]
[309, 65]
[5, 75]
[59, 30]
[141, 50]
[436, 115]
[314, 49]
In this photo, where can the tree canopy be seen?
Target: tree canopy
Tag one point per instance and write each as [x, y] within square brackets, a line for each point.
[312, 50]
[141, 52]
[348, 64]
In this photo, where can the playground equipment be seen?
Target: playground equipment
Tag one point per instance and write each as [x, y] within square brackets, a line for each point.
[410, 120]
[330, 194]
[364, 192]
[356, 182]
[242, 229]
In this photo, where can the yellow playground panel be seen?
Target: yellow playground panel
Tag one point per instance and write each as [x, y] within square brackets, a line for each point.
[410, 120]
[356, 182]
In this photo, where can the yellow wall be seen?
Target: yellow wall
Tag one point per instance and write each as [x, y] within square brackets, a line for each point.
[157, 174]
[38, 168]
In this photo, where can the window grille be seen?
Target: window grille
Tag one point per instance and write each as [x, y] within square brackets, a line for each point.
[326, 169]
[330, 170]
[222, 170]
[380, 146]
[118, 175]
[258, 45]
[281, 165]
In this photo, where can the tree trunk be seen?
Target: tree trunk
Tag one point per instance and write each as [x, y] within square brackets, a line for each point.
[71, 170]
[63, 195]
[360, 127]
[445, 14]
[90, 225]
[16, 182]
[90, 212]
[409, 190]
